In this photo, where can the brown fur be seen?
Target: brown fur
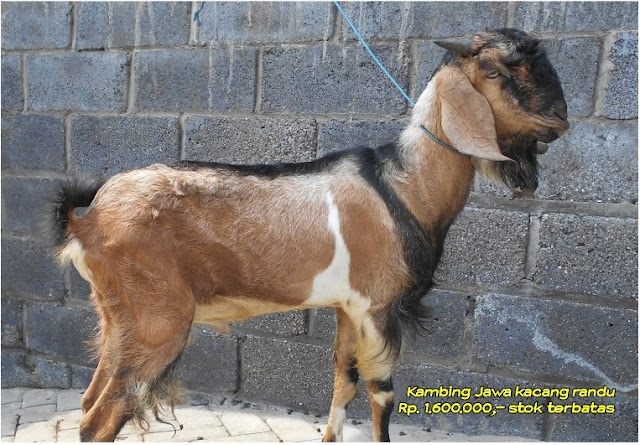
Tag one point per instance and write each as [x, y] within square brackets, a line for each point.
[362, 220]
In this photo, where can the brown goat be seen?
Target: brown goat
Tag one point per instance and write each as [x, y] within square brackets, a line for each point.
[360, 230]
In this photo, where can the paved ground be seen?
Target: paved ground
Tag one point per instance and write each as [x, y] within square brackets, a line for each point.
[46, 415]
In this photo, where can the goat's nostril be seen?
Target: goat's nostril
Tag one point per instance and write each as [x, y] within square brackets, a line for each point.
[561, 115]
[560, 110]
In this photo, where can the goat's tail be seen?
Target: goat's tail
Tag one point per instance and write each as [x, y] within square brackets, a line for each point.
[70, 193]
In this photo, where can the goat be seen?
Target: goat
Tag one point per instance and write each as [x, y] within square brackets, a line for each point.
[359, 230]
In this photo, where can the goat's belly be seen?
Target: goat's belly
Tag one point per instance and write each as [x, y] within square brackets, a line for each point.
[223, 309]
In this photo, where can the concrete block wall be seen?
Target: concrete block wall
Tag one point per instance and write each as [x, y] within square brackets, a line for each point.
[539, 292]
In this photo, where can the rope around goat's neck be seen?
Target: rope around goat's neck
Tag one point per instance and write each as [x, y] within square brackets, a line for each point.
[440, 141]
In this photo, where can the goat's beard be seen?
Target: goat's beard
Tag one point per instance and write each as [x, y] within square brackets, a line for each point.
[520, 176]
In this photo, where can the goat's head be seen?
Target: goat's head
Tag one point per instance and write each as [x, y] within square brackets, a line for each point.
[501, 98]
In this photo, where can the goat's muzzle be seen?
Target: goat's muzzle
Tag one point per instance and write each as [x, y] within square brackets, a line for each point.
[550, 127]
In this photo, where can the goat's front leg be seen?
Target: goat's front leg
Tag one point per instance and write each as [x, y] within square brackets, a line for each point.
[345, 377]
[377, 358]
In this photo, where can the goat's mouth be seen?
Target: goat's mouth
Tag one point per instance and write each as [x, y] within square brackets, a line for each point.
[551, 127]
[541, 147]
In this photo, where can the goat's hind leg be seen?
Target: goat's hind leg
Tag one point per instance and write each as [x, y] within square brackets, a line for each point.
[110, 411]
[98, 383]
[135, 385]
[105, 355]
[149, 345]
[345, 378]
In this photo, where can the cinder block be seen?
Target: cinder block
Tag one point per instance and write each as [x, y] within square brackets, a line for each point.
[11, 322]
[36, 25]
[622, 426]
[575, 16]
[593, 162]
[576, 61]
[288, 373]
[572, 340]
[12, 82]
[429, 56]
[87, 81]
[34, 142]
[79, 289]
[20, 369]
[485, 246]
[589, 255]
[324, 324]
[128, 24]
[24, 203]
[447, 311]
[210, 361]
[621, 92]
[108, 145]
[196, 80]
[28, 268]
[390, 20]
[105, 25]
[264, 22]
[60, 330]
[501, 424]
[81, 376]
[249, 140]
[337, 135]
[287, 323]
[382, 20]
[333, 78]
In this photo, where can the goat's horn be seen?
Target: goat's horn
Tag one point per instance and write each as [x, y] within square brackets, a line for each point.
[462, 47]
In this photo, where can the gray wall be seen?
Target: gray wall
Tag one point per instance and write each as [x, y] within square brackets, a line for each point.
[539, 292]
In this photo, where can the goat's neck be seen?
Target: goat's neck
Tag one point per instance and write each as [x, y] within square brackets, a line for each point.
[437, 181]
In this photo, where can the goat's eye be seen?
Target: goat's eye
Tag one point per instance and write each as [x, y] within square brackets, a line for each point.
[493, 74]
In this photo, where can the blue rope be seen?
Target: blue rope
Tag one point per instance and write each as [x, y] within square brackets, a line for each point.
[373, 56]
[196, 16]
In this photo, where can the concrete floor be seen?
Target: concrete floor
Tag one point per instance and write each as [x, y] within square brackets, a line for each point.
[50, 415]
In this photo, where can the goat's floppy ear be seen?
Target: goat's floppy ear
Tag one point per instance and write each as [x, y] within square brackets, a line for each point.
[467, 119]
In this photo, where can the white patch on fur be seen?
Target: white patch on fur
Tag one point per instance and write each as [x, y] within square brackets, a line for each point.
[421, 115]
[382, 397]
[339, 419]
[331, 286]
[75, 252]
